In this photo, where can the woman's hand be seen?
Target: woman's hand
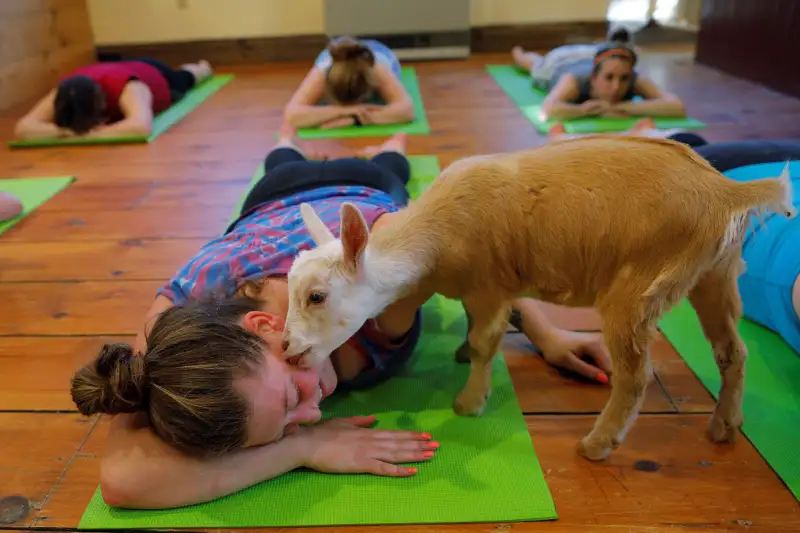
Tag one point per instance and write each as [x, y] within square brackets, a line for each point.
[337, 123]
[566, 349]
[348, 446]
[594, 107]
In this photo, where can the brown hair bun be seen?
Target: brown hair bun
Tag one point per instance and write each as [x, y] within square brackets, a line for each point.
[115, 382]
[349, 49]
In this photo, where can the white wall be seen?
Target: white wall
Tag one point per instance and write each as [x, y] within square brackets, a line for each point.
[155, 21]
[503, 12]
[158, 21]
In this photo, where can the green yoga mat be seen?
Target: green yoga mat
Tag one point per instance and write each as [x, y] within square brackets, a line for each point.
[161, 123]
[485, 471]
[419, 126]
[772, 386]
[518, 86]
[32, 192]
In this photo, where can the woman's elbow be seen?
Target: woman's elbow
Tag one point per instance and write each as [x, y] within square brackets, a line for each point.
[124, 486]
[291, 117]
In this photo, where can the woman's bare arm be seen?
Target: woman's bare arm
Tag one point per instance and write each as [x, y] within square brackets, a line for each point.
[558, 103]
[656, 103]
[39, 123]
[138, 470]
[302, 111]
[399, 106]
[160, 304]
[136, 104]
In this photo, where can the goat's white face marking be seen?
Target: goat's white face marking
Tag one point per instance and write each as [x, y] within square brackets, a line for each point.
[329, 297]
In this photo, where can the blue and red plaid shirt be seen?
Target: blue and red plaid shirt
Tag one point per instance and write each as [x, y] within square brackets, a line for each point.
[265, 243]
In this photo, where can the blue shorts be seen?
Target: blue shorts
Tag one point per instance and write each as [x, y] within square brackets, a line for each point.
[384, 358]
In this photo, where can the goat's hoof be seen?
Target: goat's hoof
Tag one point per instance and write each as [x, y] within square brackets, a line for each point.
[596, 449]
[469, 405]
[463, 353]
[722, 431]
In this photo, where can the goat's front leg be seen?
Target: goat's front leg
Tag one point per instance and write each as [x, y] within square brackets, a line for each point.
[488, 324]
[716, 300]
[627, 337]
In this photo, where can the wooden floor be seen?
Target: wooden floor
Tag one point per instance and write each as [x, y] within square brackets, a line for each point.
[83, 269]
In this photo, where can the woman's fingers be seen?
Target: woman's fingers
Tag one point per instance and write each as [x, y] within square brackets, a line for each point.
[586, 370]
[379, 468]
[403, 456]
[397, 435]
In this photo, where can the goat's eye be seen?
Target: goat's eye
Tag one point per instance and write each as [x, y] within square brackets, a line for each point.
[316, 298]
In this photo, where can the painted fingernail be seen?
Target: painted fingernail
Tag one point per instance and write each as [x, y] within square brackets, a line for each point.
[602, 377]
[412, 470]
[427, 454]
[433, 444]
[426, 436]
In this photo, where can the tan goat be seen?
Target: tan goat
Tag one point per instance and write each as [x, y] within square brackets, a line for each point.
[627, 225]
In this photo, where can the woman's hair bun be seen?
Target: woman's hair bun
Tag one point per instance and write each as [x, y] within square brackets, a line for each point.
[115, 382]
[349, 49]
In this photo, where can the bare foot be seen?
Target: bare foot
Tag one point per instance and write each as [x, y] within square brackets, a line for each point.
[10, 206]
[201, 70]
[556, 130]
[396, 143]
[286, 133]
[643, 125]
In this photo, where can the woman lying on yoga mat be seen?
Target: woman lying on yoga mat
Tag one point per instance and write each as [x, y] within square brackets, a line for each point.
[10, 206]
[596, 80]
[110, 99]
[351, 83]
[208, 405]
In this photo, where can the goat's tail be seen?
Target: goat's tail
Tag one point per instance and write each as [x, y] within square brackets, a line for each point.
[768, 194]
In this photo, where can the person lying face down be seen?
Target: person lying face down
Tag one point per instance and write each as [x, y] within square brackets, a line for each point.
[585, 80]
[110, 99]
[205, 404]
[353, 82]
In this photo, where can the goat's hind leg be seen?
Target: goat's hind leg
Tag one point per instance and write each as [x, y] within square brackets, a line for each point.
[718, 304]
[627, 334]
[488, 321]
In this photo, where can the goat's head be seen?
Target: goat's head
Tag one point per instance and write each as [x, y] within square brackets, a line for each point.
[330, 297]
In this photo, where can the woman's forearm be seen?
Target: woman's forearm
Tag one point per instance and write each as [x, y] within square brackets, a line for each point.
[562, 111]
[133, 127]
[394, 113]
[535, 323]
[35, 129]
[143, 473]
[305, 116]
[654, 108]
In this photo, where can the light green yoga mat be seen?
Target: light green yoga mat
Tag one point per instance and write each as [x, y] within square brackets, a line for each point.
[518, 86]
[32, 192]
[161, 123]
[419, 126]
[772, 386]
[486, 469]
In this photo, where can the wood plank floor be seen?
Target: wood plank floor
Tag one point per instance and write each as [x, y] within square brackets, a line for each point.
[82, 269]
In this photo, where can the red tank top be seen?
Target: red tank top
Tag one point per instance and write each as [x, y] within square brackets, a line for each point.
[113, 76]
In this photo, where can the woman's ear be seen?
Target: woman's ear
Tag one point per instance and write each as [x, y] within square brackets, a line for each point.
[262, 323]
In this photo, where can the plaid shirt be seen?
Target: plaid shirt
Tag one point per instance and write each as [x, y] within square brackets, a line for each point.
[265, 243]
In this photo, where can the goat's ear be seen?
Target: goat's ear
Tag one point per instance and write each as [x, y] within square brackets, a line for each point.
[355, 235]
[318, 230]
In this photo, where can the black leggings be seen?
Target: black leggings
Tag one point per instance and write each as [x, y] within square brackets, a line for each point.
[288, 172]
[180, 81]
